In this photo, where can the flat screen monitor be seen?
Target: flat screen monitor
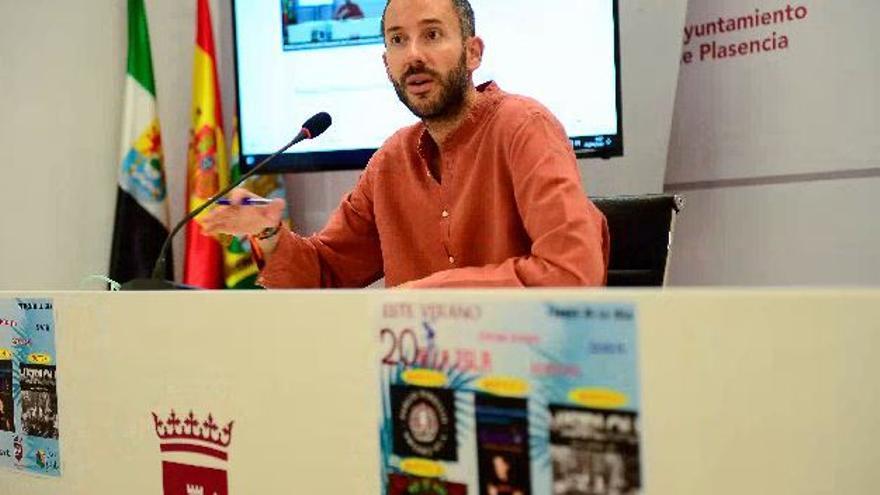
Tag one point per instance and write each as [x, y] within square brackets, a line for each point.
[295, 58]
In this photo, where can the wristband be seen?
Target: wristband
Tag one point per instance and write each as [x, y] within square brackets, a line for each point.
[268, 232]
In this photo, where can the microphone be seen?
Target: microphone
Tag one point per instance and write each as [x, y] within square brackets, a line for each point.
[311, 128]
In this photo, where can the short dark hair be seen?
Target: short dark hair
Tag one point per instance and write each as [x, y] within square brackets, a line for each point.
[465, 17]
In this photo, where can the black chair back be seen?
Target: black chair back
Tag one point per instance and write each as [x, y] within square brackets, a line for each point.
[641, 236]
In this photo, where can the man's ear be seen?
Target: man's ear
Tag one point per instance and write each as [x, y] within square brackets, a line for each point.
[474, 47]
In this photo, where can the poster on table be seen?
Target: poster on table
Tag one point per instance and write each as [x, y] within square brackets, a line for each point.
[28, 387]
[508, 398]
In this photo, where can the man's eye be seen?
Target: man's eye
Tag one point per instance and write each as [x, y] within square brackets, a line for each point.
[395, 40]
[433, 34]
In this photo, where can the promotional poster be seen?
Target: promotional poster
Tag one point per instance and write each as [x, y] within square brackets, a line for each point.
[508, 398]
[29, 438]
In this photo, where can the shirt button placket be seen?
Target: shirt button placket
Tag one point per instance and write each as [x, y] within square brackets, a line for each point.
[444, 215]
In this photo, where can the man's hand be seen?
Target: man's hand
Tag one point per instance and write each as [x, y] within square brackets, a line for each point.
[236, 219]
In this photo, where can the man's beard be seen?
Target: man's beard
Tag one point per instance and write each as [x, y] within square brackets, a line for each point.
[452, 91]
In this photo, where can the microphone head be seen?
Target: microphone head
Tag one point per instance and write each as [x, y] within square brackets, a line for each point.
[317, 124]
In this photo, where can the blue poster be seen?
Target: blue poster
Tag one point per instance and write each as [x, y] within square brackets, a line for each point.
[28, 387]
[508, 398]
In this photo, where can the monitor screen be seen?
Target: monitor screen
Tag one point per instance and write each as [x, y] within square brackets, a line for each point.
[295, 58]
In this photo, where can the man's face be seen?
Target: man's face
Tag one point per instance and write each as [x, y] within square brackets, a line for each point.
[427, 60]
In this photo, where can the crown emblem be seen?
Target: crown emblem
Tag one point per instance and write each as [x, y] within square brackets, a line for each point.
[190, 434]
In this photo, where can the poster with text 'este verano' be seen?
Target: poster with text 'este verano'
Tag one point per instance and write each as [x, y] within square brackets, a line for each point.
[508, 398]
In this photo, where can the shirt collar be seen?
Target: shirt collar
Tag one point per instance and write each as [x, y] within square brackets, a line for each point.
[488, 96]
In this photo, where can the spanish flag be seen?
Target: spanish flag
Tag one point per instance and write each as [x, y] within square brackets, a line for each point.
[207, 171]
[141, 220]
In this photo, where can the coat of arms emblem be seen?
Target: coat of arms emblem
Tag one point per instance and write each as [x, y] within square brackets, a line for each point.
[194, 453]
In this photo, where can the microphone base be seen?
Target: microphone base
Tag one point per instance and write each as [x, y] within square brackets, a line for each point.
[154, 284]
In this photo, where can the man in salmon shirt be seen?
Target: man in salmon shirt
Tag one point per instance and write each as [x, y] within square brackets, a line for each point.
[483, 192]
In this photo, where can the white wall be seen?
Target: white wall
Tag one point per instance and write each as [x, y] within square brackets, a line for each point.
[802, 233]
[61, 82]
[777, 153]
[799, 233]
[61, 74]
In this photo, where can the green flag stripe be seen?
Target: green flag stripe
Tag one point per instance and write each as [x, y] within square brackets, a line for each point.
[140, 62]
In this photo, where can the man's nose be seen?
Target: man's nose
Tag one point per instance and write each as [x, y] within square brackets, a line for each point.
[414, 54]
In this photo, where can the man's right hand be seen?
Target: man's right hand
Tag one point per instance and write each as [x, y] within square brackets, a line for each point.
[236, 219]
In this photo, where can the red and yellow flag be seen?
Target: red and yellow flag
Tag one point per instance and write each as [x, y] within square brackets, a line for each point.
[207, 170]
